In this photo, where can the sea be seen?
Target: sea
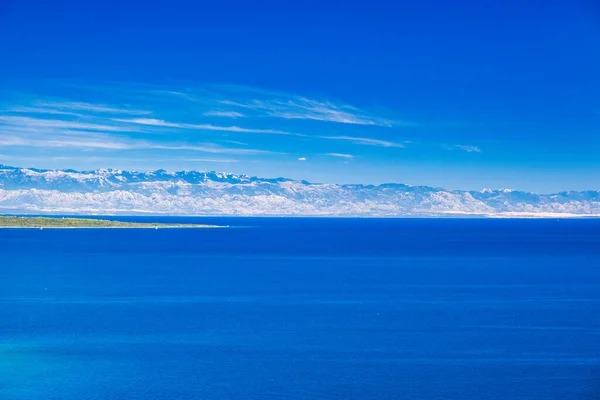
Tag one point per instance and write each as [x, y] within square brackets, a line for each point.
[303, 308]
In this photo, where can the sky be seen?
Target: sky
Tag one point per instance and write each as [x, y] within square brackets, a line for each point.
[460, 95]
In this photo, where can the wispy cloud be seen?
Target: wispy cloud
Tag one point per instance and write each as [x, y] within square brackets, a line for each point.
[109, 132]
[87, 157]
[302, 108]
[467, 148]
[236, 142]
[80, 142]
[340, 155]
[30, 122]
[365, 141]
[226, 114]
[276, 104]
[90, 140]
[40, 110]
[121, 120]
[208, 127]
[212, 160]
[98, 108]
[206, 148]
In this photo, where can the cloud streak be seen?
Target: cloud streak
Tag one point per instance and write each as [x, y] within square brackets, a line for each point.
[302, 108]
[226, 114]
[88, 140]
[129, 159]
[80, 142]
[275, 104]
[31, 123]
[365, 141]
[212, 160]
[340, 155]
[87, 124]
[207, 127]
[467, 148]
[41, 110]
[96, 108]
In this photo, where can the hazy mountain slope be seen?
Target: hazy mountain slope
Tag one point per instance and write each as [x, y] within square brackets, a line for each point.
[212, 193]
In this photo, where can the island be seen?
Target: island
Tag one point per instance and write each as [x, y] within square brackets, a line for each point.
[64, 222]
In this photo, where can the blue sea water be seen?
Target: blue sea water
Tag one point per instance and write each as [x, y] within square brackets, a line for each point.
[303, 309]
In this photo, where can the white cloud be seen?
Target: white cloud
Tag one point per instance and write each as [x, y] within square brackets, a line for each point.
[279, 105]
[151, 122]
[341, 155]
[297, 107]
[115, 159]
[79, 142]
[86, 157]
[227, 114]
[209, 127]
[87, 125]
[212, 160]
[29, 122]
[205, 148]
[40, 110]
[88, 140]
[303, 108]
[81, 106]
[364, 141]
[236, 142]
[467, 148]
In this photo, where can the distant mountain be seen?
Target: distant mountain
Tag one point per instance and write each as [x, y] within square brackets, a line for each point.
[110, 191]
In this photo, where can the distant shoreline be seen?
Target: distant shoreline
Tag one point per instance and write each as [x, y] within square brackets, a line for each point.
[113, 227]
[22, 222]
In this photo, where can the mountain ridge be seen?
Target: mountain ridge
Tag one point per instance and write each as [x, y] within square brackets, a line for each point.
[190, 192]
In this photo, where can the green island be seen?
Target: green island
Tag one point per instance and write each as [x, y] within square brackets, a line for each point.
[59, 222]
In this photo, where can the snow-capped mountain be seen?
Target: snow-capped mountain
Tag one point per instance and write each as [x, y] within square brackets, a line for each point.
[108, 191]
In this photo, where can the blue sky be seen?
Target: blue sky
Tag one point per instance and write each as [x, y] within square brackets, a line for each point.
[463, 94]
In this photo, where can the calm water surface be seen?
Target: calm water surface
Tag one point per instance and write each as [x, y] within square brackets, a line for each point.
[303, 309]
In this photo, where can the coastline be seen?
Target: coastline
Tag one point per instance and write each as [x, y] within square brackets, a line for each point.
[37, 222]
[115, 227]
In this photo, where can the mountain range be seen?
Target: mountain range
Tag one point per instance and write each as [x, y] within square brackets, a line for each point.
[112, 191]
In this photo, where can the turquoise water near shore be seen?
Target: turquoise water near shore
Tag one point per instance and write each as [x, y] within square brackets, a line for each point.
[303, 309]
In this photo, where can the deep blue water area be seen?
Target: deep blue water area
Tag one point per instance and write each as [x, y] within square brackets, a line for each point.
[278, 308]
